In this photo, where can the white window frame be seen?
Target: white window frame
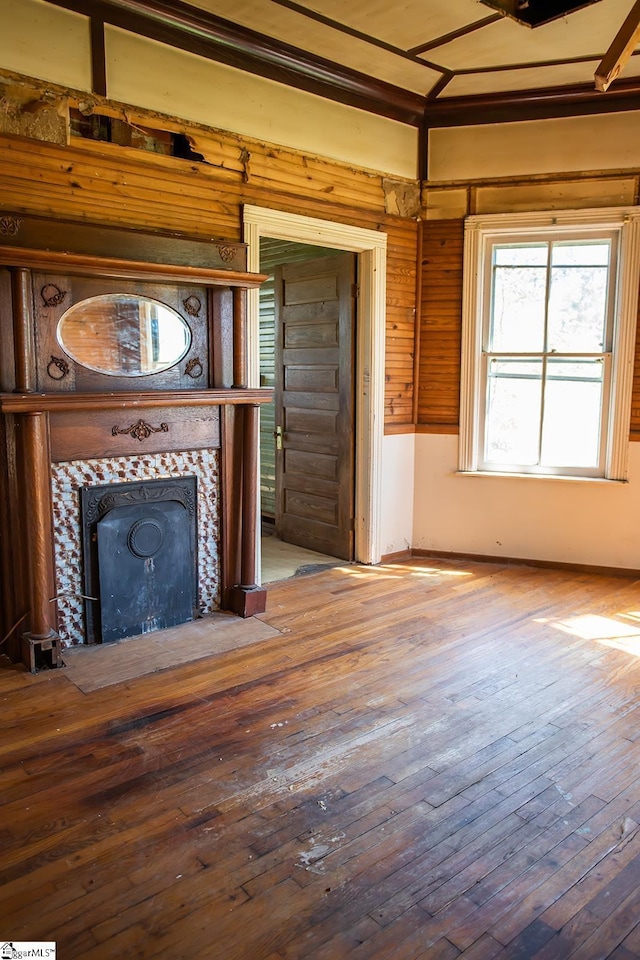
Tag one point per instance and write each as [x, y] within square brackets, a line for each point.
[481, 233]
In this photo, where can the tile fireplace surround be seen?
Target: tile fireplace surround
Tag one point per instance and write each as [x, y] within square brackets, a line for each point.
[66, 480]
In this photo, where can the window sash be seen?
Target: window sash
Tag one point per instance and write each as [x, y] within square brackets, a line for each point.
[542, 466]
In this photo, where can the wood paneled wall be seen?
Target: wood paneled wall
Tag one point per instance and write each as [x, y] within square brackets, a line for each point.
[121, 186]
[440, 326]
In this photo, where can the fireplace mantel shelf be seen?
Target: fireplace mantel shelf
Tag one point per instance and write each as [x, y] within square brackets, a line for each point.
[65, 402]
[116, 268]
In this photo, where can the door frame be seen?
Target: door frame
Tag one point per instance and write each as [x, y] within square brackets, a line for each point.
[371, 246]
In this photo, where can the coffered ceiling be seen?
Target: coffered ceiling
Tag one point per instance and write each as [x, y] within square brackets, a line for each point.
[438, 48]
[436, 62]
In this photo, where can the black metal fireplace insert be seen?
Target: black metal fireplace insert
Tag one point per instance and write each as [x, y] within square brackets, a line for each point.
[139, 547]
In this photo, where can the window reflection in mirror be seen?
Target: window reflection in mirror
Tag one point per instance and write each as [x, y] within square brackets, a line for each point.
[124, 335]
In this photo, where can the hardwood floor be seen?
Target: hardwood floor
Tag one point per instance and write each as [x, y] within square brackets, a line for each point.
[433, 760]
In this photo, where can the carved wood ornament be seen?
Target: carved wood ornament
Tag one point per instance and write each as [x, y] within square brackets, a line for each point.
[9, 226]
[57, 368]
[141, 430]
[52, 295]
[194, 368]
[192, 305]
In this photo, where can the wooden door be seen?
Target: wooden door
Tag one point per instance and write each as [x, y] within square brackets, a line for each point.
[314, 402]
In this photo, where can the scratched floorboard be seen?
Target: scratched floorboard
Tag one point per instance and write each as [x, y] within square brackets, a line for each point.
[429, 760]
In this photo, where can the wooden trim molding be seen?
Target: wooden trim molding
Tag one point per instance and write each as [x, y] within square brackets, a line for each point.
[201, 32]
[417, 322]
[624, 346]
[98, 58]
[399, 429]
[571, 100]
[632, 573]
[443, 428]
[397, 557]
[471, 336]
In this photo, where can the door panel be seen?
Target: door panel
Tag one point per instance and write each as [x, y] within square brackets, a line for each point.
[315, 337]
[321, 334]
[320, 379]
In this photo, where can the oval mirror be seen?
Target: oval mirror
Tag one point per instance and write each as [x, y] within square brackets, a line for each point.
[124, 335]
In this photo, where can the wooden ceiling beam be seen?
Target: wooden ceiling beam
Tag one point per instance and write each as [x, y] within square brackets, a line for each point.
[539, 104]
[623, 45]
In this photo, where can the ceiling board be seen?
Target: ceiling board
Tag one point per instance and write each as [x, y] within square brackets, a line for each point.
[587, 32]
[474, 84]
[402, 25]
[528, 78]
[405, 25]
[294, 28]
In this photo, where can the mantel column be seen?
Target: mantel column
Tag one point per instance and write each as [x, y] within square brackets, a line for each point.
[38, 519]
[247, 598]
[239, 337]
[23, 338]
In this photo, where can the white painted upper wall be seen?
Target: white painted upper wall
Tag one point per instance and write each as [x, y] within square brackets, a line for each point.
[46, 42]
[158, 77]
[571, 144]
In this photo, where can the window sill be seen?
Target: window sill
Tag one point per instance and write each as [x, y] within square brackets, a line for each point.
[538, 476]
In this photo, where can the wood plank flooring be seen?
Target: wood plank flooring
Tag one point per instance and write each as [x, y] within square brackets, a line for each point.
[432, 760]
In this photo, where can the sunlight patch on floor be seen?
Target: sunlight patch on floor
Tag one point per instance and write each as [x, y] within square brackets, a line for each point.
[399, 571]
[608, 631]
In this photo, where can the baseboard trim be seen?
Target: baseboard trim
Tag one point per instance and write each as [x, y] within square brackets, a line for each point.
[627, 572]
[396, 557]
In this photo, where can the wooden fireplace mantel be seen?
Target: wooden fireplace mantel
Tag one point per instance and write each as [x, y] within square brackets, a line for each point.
[93, 415]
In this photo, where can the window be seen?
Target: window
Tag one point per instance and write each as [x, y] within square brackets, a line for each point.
[549, 315]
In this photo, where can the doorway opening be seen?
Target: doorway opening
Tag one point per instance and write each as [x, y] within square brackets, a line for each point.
[307, 434]
[370, 247]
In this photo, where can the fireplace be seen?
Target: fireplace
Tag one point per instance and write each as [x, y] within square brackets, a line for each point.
[139, 553]
[126, 379]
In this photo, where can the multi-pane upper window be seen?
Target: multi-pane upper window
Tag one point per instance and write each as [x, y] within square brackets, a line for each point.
[547, 347]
